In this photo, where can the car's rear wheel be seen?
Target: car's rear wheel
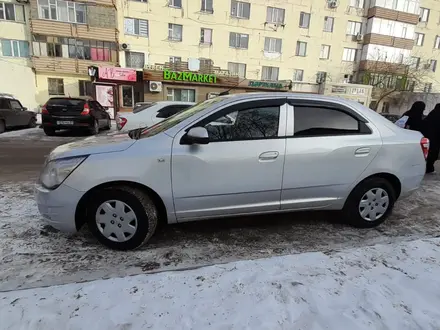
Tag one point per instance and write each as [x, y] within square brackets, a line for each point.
[2, 126]
[370, 203]
[49, 131]
[32, 123]
[109, 124]
[94, 130]
[122, 218]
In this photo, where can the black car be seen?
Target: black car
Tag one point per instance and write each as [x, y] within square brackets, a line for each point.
[74, 113]
[13, 114]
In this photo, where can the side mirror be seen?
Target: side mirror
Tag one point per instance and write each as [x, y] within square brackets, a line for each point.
[196, 135]
[24, 109]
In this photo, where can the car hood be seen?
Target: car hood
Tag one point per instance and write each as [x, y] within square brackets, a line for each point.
[93, 145]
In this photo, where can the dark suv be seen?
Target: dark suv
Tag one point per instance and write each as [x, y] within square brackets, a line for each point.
[13, 114]
[74, 113]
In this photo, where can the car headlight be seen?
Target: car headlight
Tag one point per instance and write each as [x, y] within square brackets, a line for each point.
[56, 171]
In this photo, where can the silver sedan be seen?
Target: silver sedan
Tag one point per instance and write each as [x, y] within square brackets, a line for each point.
[229, 156]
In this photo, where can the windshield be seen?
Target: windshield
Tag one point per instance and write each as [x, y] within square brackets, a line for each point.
[142, 107]
[179, 117]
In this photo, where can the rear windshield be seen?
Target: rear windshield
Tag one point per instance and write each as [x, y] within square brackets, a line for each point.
[66, 103]
[142, 107]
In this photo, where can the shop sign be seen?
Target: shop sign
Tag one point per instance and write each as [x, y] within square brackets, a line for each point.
[339, 90]
[120, 74]
[189, 76]
[265, 84]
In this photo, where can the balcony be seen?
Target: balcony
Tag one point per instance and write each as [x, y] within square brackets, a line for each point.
[393, 15]
[65, 65]
[384, 40]
[384, 67]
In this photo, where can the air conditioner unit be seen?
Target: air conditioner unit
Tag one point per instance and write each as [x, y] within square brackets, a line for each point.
[359, 37]
[155, 86]
[332, 4]
[125, 46]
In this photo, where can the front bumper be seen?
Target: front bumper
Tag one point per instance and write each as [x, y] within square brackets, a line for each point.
[58, 206]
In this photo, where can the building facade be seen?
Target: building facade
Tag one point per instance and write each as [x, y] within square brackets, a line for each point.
[248, 45]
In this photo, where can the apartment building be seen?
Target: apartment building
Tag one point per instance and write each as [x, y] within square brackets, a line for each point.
[16, 75]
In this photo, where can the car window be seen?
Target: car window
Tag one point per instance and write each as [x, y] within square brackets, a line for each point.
[246, 124]
[170, 110]
[65, 102]
[15, 105]
[142, 107]
[4, 104]
[322, 121]
[95, 105]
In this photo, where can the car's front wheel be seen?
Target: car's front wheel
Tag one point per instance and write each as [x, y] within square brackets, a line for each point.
[122, 218]
[2, 126]
[370, 203]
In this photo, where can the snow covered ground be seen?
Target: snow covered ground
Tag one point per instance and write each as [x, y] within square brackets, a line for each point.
[392, 286]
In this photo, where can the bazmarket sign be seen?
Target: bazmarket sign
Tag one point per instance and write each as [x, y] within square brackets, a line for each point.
[190, 77]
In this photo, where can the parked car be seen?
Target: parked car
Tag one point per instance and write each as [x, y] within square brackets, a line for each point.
[140, 104]
[74, 113]
[277, 152]
[150, 114]
[13, 114]
[391, 117]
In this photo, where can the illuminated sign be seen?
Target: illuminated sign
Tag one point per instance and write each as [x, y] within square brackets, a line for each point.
[189, 76]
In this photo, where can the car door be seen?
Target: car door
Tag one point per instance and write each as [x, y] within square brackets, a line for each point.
[8, 113]
[240, 170]
[21, 116]
[328, 147]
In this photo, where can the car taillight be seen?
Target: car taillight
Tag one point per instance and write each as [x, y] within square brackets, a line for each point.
[424, 143]
[86, 110]
[44, 110]
[122, 122]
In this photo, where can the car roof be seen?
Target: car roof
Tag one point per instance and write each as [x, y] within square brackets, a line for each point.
[174, 102]
[84, 98]
[7, 96]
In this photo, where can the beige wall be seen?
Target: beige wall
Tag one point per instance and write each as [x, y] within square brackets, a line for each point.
[71, 85]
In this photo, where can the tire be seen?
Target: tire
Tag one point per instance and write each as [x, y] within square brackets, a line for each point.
[2, 126]
[109, 125]
[145, 217]
[359, 201]
[94, 130]
[49, 131]
[32, 123]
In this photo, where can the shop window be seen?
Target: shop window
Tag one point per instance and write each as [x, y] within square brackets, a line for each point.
[14, 48]
[175, 94]
[134, 60]
[11, 12]
[85, 88]
[55, 86]
[63, 11]
[127, 96]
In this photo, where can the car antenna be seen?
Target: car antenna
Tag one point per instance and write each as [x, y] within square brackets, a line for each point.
[227, 91]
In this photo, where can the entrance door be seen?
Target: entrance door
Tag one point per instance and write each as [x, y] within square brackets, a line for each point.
[240, 170]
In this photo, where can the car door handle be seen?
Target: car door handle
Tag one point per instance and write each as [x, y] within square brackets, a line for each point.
[269, 155]
[362, 152]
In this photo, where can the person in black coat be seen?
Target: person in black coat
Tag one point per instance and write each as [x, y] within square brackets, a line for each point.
[415, 116]
[431, 130]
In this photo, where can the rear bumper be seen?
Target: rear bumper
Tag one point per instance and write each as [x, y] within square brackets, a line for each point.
[61, 122]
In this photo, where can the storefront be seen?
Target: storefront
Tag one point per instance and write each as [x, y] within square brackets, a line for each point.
[165, 82]
[116, 88]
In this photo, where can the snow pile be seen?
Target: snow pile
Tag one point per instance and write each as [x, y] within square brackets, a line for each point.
[381, 287]
[26, 132]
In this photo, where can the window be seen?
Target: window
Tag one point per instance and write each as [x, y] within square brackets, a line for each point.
[207, 6]
[415, 62]
[175, 59]
[175, 3]
[328, 24]
[11, 12]
[54, 48]
[140, 0]
[298, 75]
[304, 20]
[325, 52]
[63, 11]
[85, 88]
[14, 48]
[348, 78]
[301, 48]
[238, 69]
[322, 121]
[270, 73]
[206, 36]
[424, 15]
[275, 15]
[127, 96]
[357, 3]
[134, 60]
[137, 27]
[272, 45]
[433, 65]
[238, 40]
[15, 105]
[321, 77]
[354, 28]
[240, 9]
[56, 86]
[175, 32]
[246, 124]
[175, 94]
[427, 88]
[349, 54]
[437, 42]
[419, 38]
[170, 110]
